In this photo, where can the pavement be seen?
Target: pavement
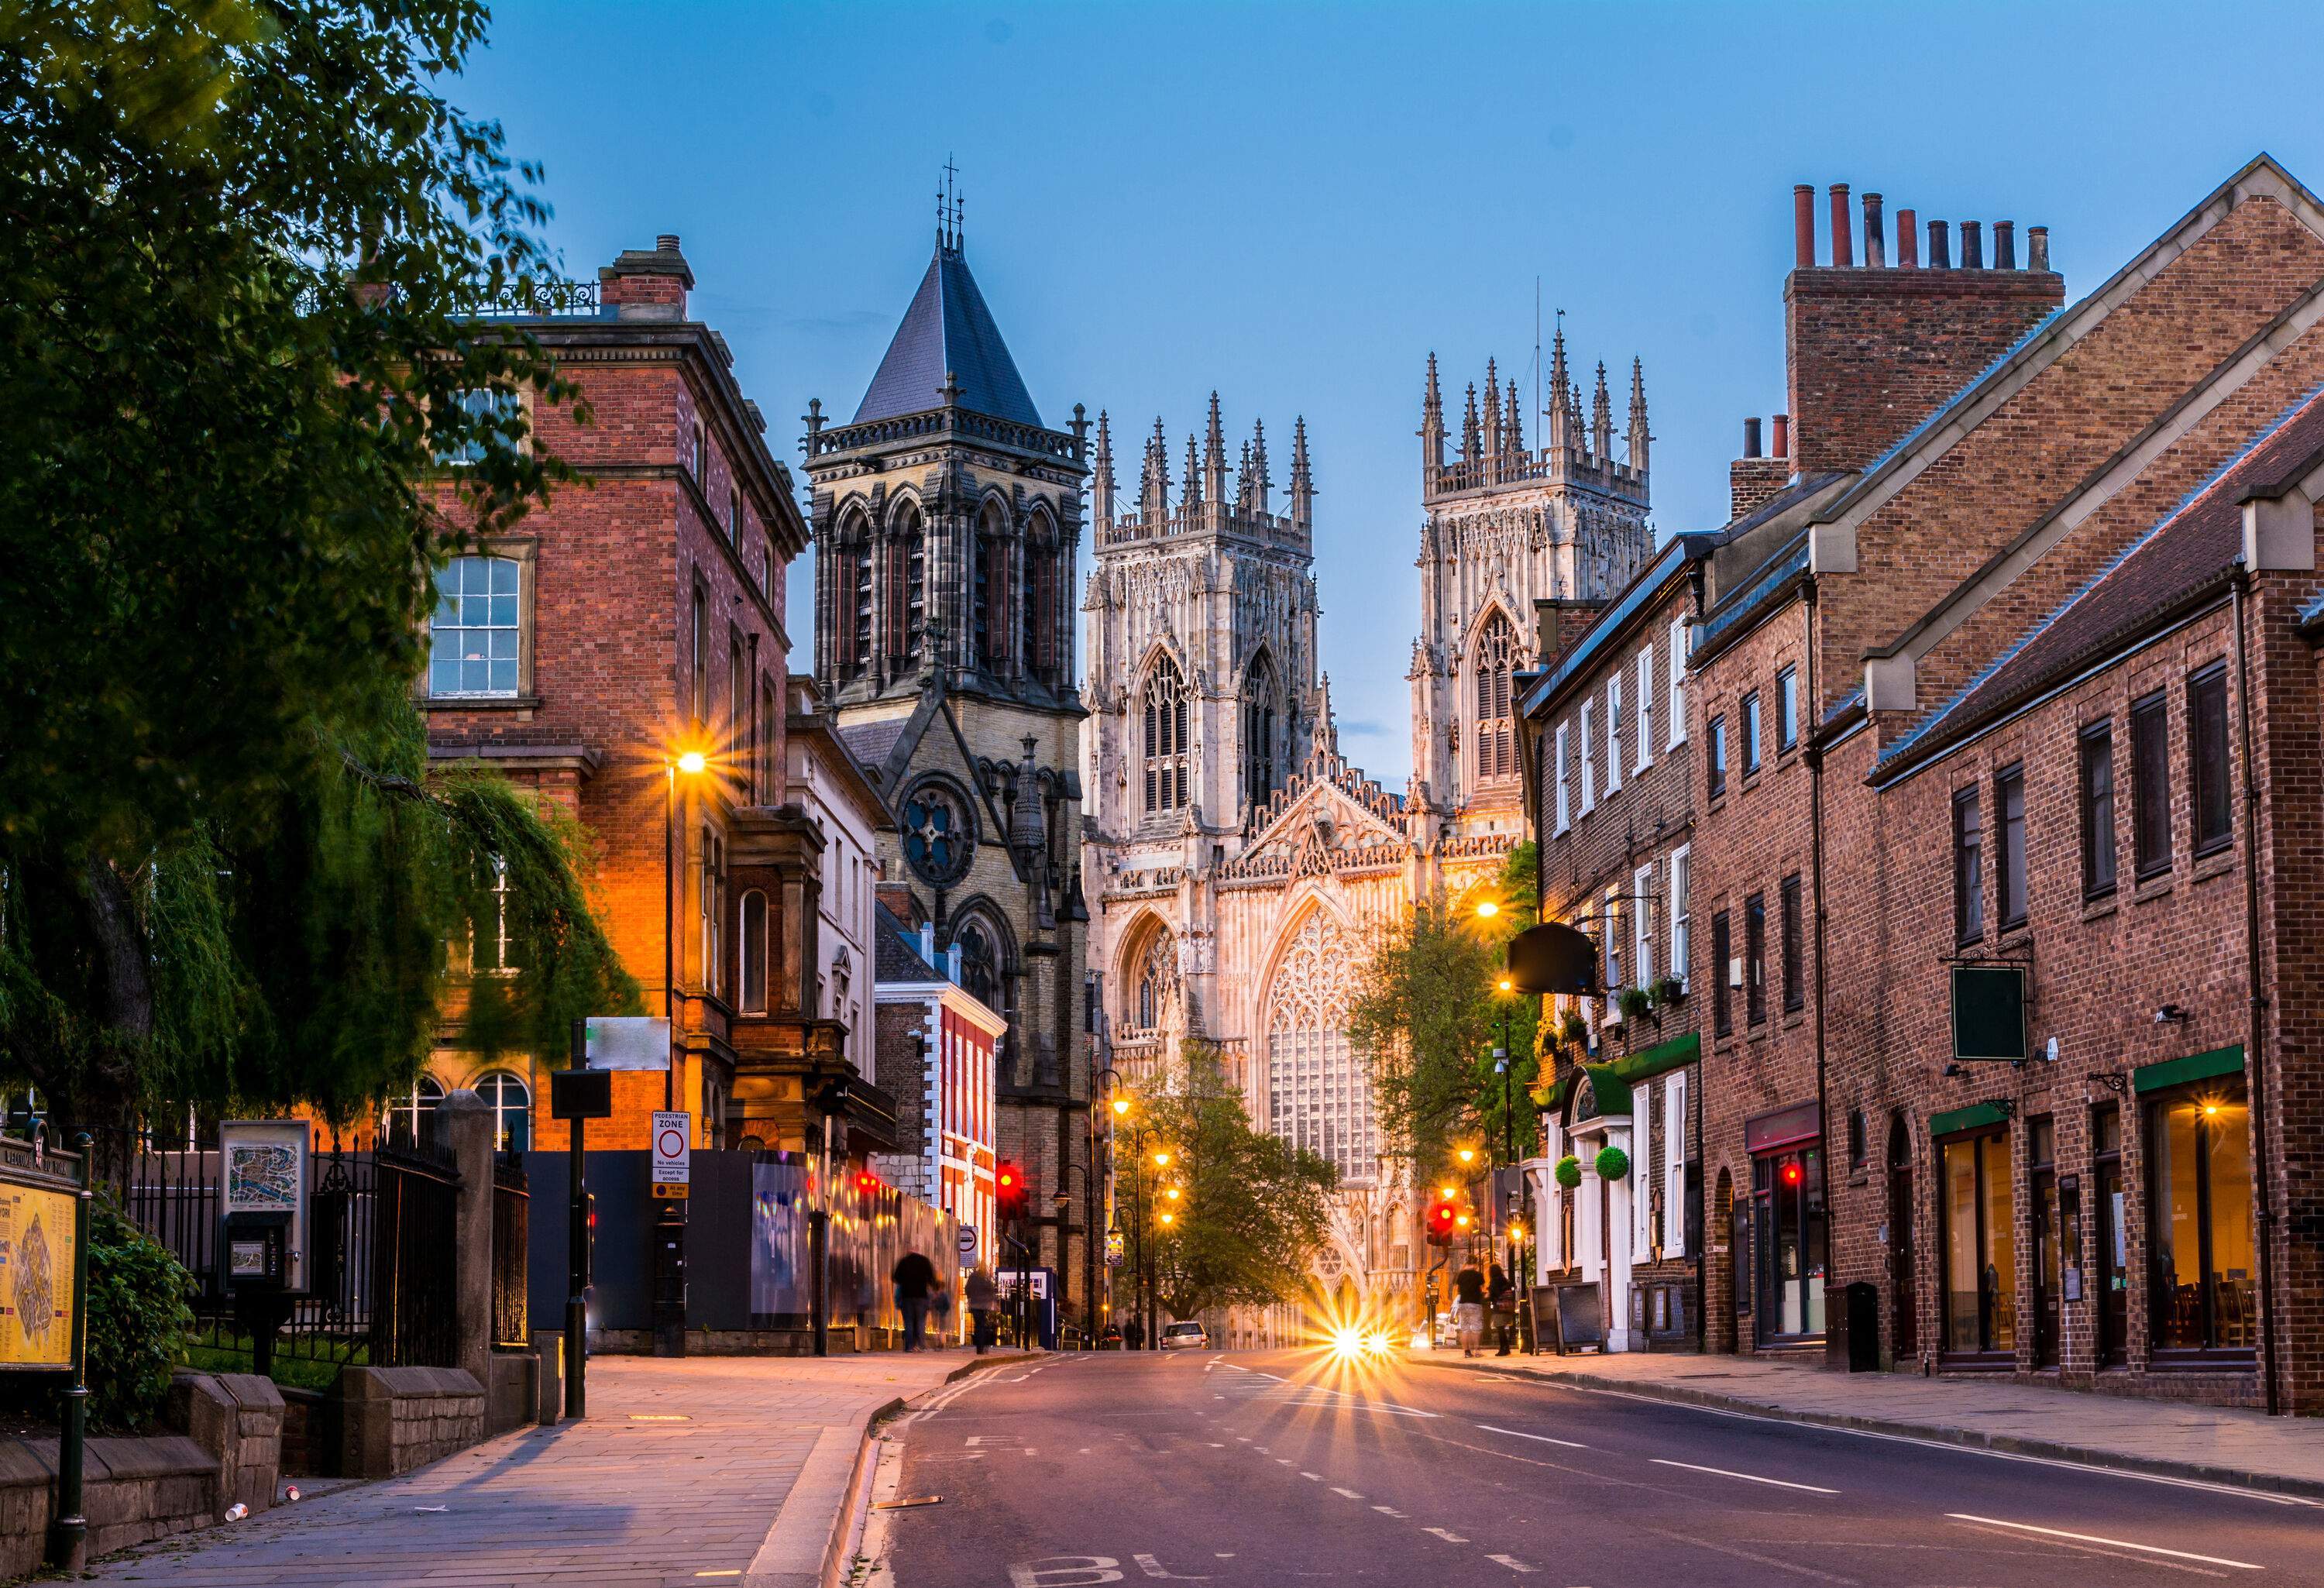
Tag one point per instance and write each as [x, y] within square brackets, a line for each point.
[1293, 1467]
[2219, 1444]
[700, 1471]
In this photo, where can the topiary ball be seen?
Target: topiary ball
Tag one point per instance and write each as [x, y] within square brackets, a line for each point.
[1569, 1171]
[1613, 1163]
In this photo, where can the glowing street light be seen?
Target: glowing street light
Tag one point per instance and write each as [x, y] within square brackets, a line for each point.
[1488, 908]
[1467, 1155]
[691, 763]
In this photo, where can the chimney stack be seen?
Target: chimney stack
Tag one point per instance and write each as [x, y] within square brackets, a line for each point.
[1908, 246]
[1875, 243]
[2037, 248]
[1783, 438]
[666, 243]
[1941, 247]
[2005, 244]
[1972, 245]
[1750, 437]
[1843, 250]
[1804, 225]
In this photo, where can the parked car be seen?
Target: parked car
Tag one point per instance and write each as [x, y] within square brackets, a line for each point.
[1188, 1337]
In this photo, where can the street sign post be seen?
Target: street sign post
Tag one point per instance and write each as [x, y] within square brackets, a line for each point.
[673, 1155]
[968, 1246]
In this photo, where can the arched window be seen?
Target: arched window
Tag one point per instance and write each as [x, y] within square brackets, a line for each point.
[854, 588]
[1153, 985]
[511, 1105]
[1319, 1096]
[1494, 737]
[411, 1118]
[1166, 780]
[908, 570]
[980, 964]
[1036, 607]
[753, 947]
[1260, 765]
[989, 599]
[474, 638]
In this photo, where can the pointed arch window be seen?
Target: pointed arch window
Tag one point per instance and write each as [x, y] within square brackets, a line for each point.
[1319, 1094]
[989, 599]
[1153, 985]
[907, 587]
[1260, 766]
[980, 964]
[1165, 703]
[1493, 740]
[1036, 606]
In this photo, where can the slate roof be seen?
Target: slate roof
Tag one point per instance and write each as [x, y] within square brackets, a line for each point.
[869, 742]
[2190, 547]
[896, 955]
[948, 330]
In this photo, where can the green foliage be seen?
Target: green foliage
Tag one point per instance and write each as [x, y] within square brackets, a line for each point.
[1250, 1212]
[1613, 1163]
[1667, 992]
[1430, 1017]
[1569, 1171]
[236, 339]
[139, 1320]
[1635, 1004]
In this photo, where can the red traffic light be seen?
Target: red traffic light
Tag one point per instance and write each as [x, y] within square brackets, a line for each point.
[1443, 1218]
[1010, 1191]
[866, 1181]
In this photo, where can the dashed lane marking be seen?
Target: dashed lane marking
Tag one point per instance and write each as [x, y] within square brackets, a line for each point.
[1545, 1438]
[1746, 1477]
[1389, 1510]
[1512, 1562]
[2208, 1560]
[1350, 1493]
[1446, 1534]
[1312, 1477]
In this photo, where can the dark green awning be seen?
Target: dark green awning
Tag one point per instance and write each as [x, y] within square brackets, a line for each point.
[2196, 1067]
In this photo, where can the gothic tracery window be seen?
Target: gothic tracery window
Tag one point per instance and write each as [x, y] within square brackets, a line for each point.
[1494, 736]
[1154, 985]
[1260, 769]
[1319, 1096]
[990, 598]
[980, 964]
[1166, 779]
[907, 587]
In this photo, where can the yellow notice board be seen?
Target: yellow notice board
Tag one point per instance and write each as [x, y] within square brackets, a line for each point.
[36, 1276]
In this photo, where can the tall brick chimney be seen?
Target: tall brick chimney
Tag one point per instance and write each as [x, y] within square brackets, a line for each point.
[647, 283]
[1871, 352]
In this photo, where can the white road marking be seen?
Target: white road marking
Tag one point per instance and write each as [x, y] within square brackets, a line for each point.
[1746, 1477]
[1351, 1493]
[976, 1439]
[1312, 1477]
[2210, 1560]
[1510, 1560]
[1214, 1445]
[1069, 1571]
[1153, 1568]
[1546, 1439]
[1389, 1510]
[1446, 1534]
[1283, 1461]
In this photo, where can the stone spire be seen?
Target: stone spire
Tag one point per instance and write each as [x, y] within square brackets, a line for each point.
[1638, 437]
[1561, 419]
[1214, 457]
[1302, 485]
[1601, 419]
[1191, 495]
[1431, 423]
[1154, 480]
[1261, 486]
[1102, 476]
[1242, 482]
[1492, 412]
[1513, 425]
[1470, 438]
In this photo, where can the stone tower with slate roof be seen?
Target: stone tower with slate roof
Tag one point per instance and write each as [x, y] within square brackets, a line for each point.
[946, 517]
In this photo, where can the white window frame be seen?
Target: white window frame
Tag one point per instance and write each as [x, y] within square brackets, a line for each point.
[1642, 926]
[1677, 683]
[1549, 1213]
[1564, 801]
[1614, 735]
[1674, 1164]
[1614, 924]
[1646, 708]
[1682, 863]
[1589, 762]
[491, 559]
[1642, 1180]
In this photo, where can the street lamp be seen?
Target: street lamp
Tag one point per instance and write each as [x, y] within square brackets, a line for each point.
[670, 1312]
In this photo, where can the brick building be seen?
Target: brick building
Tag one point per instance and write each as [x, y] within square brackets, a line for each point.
[2010, 1022]
[611, 630]
[938, 1047]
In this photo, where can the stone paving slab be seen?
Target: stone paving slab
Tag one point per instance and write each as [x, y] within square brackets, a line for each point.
[681, 1468]
[2219, 1444]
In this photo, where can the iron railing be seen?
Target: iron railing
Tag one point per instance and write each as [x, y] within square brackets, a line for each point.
[415, 1237]
[512, 1218]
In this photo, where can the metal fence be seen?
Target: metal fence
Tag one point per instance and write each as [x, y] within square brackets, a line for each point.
[511, 1219]
[415, 1235]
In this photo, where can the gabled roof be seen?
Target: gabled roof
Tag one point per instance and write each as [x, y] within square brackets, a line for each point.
[2188, 550]
[896, 952]
[948, 331]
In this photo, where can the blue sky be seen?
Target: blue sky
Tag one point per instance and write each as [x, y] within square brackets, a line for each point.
[1295, 203]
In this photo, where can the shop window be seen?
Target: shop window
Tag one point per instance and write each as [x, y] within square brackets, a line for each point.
[2110, 1243]
[2150, 790]
[1979, 1243]
[2199, 1199]
[1787, 1188]
[2009, 812]
[2097, 810]
[2206, 758]
[1968, 868]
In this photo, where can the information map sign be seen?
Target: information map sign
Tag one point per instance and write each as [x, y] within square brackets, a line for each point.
[37, 1231]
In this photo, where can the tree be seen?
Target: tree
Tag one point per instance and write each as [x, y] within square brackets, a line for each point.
[1249, 1215]
[1430, 1014]
[237, 337]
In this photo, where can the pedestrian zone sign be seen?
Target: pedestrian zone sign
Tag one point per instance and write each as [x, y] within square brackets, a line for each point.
[968, 1246]
[673, 1154]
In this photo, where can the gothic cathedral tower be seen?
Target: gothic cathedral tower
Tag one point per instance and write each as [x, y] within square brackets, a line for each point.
[947, 517]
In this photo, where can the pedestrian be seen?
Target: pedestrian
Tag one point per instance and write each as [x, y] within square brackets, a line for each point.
[1133, 1336]
[915, 1276]
[983, 1304]
[1501, 1300]
[1469, 1308]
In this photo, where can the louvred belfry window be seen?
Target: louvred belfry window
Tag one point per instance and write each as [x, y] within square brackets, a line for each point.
[907, 588]
[1494, 736]
[1166, 738]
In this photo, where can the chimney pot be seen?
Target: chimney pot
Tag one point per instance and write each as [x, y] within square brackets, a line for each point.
[1972, 245]
[1750, 437]
[1940, 245]
[2005, 244]
[1844, 249]
[667, 243]
[1908, 246]
[1802, 225]
[2037, 248]
[1876, 242]
[1782, 437]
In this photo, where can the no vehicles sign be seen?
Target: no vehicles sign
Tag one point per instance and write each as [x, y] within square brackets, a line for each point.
[673, 1154]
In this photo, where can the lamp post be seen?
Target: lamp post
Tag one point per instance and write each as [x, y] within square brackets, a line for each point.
[1105, 1083]
[670, 1213]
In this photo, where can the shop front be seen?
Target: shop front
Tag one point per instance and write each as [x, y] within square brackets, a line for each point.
[1788, 1244]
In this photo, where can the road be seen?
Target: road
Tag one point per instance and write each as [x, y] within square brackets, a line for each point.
[1294, 1467]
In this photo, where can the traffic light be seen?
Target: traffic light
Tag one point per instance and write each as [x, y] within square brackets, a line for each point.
[1443, 1218]
[1008, 1189]
[867, 1182]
